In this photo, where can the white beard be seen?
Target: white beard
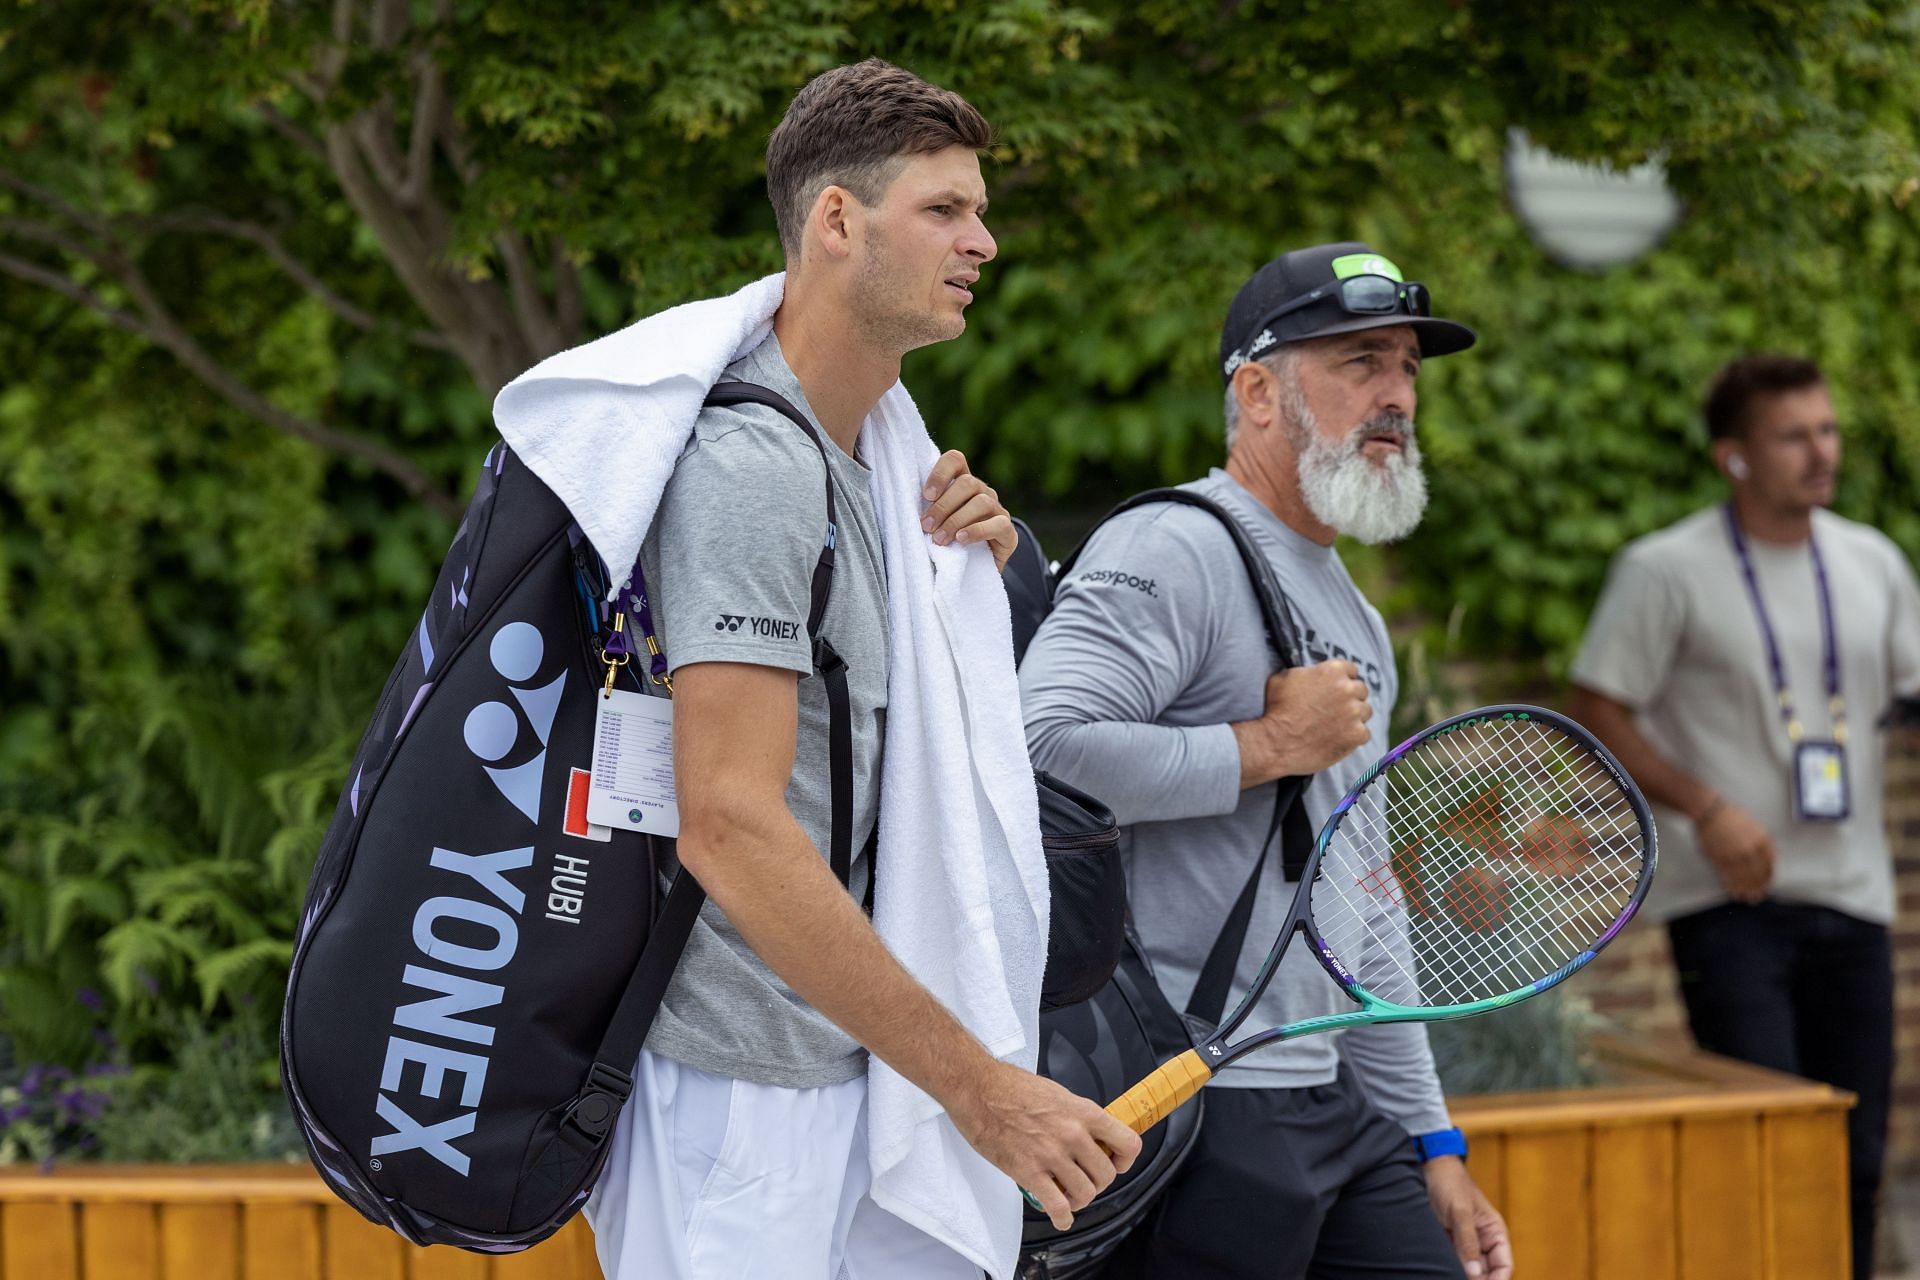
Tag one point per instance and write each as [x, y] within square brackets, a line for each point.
[1369, 502]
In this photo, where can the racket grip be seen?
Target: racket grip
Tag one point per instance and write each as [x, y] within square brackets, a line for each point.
[1160, 1094]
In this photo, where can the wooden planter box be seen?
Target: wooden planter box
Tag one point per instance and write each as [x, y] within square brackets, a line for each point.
[231, 1222]
[1693, 1168]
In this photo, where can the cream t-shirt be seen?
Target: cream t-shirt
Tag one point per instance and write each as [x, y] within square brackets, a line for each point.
[1675, 637]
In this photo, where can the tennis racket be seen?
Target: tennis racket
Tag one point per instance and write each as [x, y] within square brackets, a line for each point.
[1484, 860]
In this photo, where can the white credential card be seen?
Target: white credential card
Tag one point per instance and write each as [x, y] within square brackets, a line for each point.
[632, 785]
[1821, 772]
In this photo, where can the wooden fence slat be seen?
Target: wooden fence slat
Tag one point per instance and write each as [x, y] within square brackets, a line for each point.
[567, 1256]
[281, 1242]
[39, 1241]
[360, 1250]
[1722, 1234]
[200, 1242]
[119, 1241]
[1633, 1202]
[444, 1262]
[580, 1237]
[1487, 1161]
[1806, 1169]
[1547, 1179]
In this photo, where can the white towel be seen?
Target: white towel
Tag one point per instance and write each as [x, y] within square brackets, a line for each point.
[963, 898]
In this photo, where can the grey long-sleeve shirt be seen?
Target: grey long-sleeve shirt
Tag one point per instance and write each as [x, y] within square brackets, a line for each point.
[1154, 647]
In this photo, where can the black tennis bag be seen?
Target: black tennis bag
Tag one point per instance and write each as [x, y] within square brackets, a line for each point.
[476, 966]
[1117, 1036]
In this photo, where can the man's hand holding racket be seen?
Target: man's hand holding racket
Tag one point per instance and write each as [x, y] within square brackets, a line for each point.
[1061, 1148]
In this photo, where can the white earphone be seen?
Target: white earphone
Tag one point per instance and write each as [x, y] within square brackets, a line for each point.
[1737, 467]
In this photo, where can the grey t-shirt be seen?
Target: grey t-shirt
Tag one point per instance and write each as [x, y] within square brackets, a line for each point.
[1154, 647]
[1674, 637]
[730, 561]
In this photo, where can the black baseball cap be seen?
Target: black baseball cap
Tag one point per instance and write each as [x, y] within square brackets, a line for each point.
[1252, 328]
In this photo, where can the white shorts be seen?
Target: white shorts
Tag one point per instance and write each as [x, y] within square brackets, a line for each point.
[711, 1178]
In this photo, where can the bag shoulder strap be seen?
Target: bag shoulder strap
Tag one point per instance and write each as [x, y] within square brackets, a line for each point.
[830, 666]
[608, 1083]
[1274, 610]
[725, 395]
[1289, 822]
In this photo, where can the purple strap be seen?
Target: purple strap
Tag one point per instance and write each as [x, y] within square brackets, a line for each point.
[631, 600]
[1830, 657]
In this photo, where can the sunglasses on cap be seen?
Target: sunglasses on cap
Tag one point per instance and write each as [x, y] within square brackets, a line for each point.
[1362, 295]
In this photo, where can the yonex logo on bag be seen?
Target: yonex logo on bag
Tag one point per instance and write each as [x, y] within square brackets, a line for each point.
[493, 730]
[479, 932]
[765, 628]
[487, 938]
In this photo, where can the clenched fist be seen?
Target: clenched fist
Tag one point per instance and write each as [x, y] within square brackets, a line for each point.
[1740, 850]
[1316, 716]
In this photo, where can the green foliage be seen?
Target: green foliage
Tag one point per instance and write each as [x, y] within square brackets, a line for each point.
[219, 1100]
[46, 1113]
[197, 601]
[1540, 1043]
[174, 882]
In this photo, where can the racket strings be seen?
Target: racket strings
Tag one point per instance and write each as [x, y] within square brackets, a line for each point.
[1482, 860]
[1478, 903]
[1471, 924]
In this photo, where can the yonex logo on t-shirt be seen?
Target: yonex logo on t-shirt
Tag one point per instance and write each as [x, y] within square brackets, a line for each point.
[766, 628]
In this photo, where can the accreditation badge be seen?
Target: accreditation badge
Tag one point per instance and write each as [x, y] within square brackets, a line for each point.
[1820, 782]
[631, 786]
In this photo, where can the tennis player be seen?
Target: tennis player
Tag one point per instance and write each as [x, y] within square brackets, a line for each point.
[1148, 685]
[743, 1151]
[1738, 664]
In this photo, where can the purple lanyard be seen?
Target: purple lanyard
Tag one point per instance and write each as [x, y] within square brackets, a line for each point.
[1830, 657]
[632, 599]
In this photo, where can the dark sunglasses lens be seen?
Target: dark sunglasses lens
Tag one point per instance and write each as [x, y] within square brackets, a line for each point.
[1419, 301]
[1370, 295]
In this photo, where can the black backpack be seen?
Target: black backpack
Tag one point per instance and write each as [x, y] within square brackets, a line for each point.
[476, 967]
[1102, 1047]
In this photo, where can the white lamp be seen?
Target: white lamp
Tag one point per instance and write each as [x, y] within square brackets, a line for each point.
[1586, 215]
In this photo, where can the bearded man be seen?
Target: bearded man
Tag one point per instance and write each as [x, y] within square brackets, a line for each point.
[1148, 685]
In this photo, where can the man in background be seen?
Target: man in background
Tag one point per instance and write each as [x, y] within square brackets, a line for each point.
[1150, 686]
[1740, 663]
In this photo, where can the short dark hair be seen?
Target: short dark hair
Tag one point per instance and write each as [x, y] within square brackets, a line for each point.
[1734, 389]
[852, 127]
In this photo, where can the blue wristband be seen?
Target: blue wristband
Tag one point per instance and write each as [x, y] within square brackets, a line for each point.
[1441, 1142]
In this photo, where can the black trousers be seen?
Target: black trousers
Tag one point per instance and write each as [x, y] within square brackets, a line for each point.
[1807, 990]
[1286, 1184]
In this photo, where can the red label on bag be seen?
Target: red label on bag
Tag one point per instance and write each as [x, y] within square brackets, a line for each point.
[576, 823]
